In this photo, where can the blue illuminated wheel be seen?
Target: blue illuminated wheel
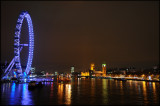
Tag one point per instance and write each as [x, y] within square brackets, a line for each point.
[18, 47]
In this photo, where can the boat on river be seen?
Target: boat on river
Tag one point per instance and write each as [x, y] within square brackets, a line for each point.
[64, 78]
[32, 85]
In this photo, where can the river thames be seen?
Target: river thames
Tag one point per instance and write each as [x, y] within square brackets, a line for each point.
[83, 91]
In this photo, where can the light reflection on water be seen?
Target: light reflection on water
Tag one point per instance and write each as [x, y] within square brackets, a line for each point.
[93, 87]
[68, 94]
[20, 95]
[13, 89]
[26, 99]
[60, 93]
[144, 91]
[82, 91]
[154, 91]
[105, 91]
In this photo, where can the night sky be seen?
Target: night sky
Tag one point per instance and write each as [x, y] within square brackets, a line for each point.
[77, 33]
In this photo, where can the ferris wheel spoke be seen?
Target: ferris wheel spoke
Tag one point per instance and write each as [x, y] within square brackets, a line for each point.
[23, 44]
[18, 47]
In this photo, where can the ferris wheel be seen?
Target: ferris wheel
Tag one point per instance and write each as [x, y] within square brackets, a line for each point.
[18, 47]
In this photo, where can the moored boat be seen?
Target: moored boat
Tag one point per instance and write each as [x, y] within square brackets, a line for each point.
[32, 85]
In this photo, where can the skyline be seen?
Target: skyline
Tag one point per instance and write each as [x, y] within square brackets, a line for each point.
[67, 34]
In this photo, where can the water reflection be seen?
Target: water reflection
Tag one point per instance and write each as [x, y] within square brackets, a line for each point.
[20, 95]
[51, 94]
[64, 93]
[110, 84]
[136, 85]
[26, 100]
[79, 80]
[80, 91]
[60, 93]
[92, 87]
[144, 92]
[105, 90]
[12, 93]
[130, 83]
[154, 91]
[154, 87]
[121, 87]
[68, 94]
[116, 83]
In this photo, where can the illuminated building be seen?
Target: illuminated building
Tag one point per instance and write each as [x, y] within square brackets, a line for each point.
[72, 69]
[84, 73]
[104, 69]
[56, 73]
[92, 67]
[97, 73]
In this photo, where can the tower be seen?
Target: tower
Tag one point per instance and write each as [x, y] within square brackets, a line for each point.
[104, 69]
[72, 69]
[92, 67]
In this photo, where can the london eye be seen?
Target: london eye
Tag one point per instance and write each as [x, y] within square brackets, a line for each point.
[18, 46]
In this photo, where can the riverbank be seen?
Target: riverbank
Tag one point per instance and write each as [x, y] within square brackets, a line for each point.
[123, 79]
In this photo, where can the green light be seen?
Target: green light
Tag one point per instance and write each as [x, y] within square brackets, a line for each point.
[104, 65]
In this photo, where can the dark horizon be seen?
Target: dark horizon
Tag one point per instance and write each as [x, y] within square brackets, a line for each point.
[77, 33]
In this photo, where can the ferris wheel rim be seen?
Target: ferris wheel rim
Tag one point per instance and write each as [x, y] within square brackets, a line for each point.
[17, 46]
